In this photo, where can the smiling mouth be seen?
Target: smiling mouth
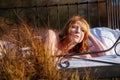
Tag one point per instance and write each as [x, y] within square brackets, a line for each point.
[77, 36]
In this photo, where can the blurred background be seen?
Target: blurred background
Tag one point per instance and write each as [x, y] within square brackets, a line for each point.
[54, 13]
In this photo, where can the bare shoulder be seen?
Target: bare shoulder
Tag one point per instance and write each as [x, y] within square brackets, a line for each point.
[50, 31]
[50, 35]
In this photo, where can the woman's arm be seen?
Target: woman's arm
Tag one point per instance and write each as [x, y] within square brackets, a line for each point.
[99, 46]
[50, 41]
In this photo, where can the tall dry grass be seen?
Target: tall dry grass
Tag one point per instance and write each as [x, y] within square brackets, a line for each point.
[35, 63]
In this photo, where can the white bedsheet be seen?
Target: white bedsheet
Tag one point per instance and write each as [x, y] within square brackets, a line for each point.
[107, 36]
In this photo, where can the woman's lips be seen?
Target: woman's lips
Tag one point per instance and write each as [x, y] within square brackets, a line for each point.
[77, 35]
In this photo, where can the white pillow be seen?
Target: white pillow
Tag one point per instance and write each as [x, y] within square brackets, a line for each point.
[106, 35]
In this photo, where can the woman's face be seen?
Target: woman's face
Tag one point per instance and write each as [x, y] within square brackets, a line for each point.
[76, 32]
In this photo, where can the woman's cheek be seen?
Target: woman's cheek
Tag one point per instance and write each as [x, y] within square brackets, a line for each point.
[71, 37]
[72, 31]
[83, 35]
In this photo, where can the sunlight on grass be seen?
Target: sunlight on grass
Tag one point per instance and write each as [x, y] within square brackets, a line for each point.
[35, 63]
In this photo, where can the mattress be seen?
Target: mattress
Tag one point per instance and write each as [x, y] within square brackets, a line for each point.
[108, 60]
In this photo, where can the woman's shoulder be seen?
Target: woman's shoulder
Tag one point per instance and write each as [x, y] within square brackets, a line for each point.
[49, 34]
[50, 31]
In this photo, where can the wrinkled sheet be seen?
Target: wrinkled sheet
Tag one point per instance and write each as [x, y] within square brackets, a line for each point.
[107, 36]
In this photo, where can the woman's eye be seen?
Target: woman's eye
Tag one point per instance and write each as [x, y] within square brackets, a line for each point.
[73, 26]
[82, 30]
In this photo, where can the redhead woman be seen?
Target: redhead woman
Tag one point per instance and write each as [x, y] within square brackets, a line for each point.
[75, 38]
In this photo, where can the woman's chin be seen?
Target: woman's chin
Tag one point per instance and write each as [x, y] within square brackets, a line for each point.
[77, 41]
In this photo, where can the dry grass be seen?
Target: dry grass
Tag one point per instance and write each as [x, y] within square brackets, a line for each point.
[33, 64]
[36, 65]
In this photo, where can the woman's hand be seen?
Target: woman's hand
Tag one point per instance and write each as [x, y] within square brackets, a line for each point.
[99, 46]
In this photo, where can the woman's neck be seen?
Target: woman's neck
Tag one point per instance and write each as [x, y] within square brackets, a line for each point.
[66, 45]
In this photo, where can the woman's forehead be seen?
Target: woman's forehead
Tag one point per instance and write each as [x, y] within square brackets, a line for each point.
[81, 24]
[78, 23]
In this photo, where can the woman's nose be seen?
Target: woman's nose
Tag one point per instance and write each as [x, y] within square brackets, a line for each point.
[78, 30]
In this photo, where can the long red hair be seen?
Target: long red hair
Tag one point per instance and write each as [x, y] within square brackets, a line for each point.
[80, 47]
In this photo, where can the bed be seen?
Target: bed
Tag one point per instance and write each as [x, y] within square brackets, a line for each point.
[107, 66]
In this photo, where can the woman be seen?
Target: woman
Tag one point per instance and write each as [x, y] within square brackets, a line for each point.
[75, 38]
